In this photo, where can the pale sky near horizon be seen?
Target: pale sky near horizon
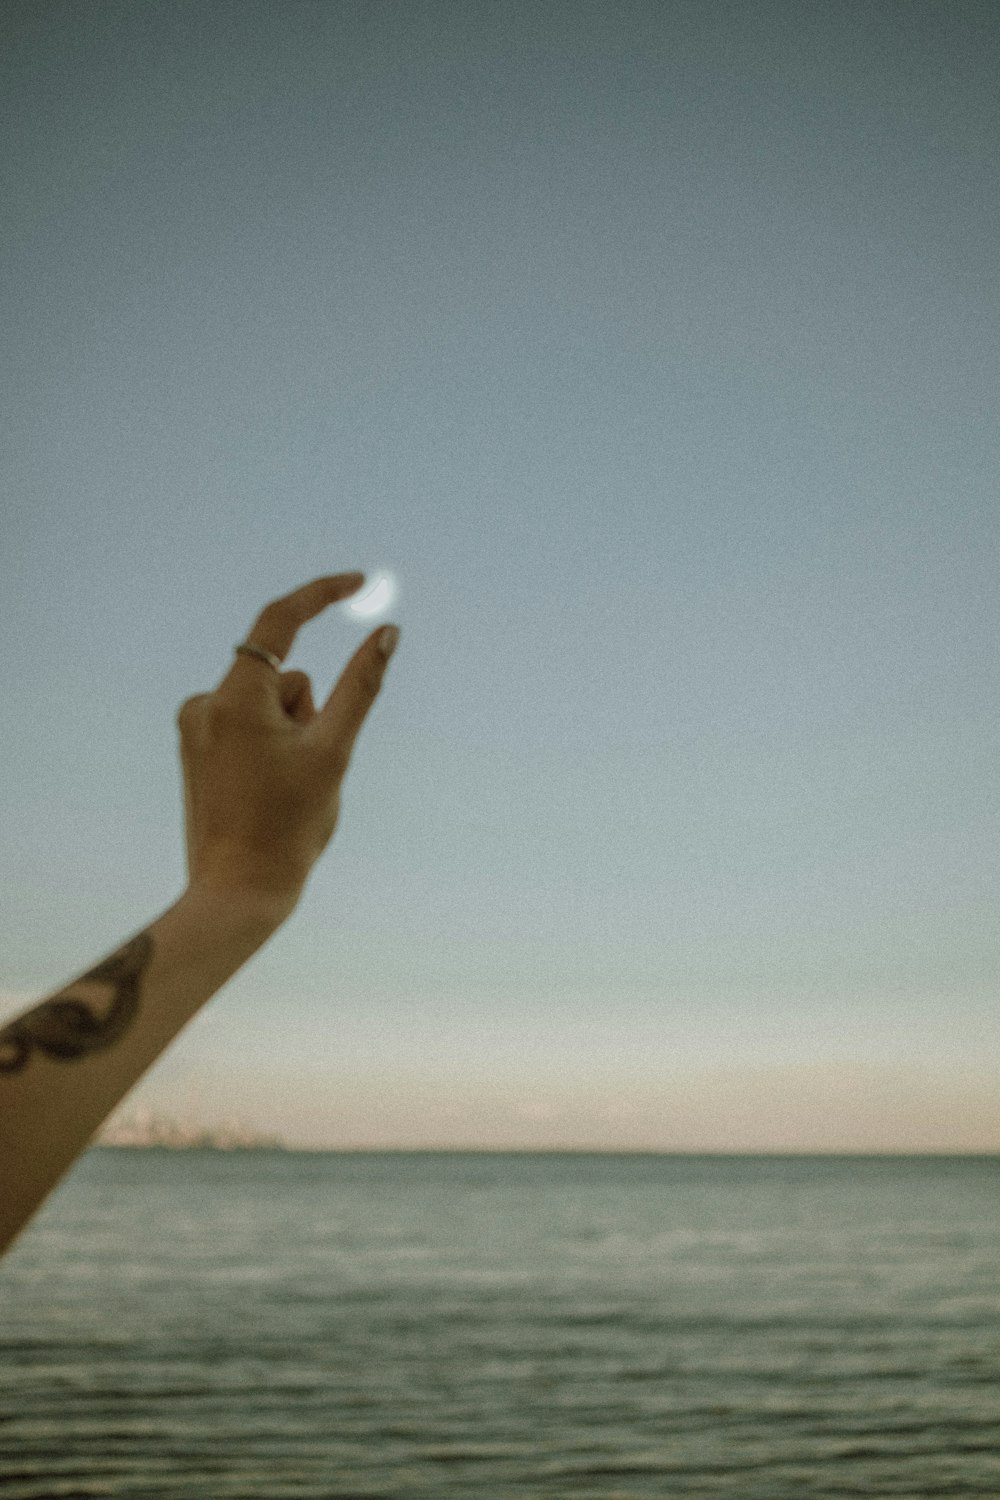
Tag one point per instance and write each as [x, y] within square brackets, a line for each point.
[655, 349]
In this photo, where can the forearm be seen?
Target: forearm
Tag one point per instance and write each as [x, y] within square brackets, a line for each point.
[68, 1061]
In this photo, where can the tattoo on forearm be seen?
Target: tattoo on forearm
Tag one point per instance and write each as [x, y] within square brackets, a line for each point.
[70, 1026]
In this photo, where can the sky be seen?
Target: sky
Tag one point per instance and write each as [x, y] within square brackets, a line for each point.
[654, 349]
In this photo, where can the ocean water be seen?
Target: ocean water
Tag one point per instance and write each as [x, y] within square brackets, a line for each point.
[267, 1324]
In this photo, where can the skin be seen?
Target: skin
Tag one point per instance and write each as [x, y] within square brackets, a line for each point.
[262, 771]
[262, 766]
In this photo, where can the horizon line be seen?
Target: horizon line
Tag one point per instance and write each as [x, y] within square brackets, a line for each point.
[529, 1150]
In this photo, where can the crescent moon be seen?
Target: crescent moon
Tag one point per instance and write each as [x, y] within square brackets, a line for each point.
[376, 597]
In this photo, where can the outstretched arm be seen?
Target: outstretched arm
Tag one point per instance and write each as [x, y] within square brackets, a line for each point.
[66, 1063]
[262, 775]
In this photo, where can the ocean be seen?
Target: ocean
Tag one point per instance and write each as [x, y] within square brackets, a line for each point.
[203, 1325]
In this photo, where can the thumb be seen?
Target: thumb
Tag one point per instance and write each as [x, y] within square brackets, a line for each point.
[344, 712]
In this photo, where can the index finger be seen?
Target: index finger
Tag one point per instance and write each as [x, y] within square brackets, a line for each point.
[279, 622]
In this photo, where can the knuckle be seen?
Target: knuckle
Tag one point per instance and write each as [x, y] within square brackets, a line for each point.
[222, 712]
[189, 712]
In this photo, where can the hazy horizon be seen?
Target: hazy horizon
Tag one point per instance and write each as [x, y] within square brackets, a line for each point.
[526, 1151]
[654, 350]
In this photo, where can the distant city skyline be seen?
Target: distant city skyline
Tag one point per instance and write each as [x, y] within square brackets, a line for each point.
[865, 1108]
[143, 1127]
[652, 350]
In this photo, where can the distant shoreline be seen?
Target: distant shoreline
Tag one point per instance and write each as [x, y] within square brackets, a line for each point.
[546, 1151]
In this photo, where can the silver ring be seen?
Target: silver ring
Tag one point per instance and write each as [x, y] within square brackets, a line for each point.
[249, 648]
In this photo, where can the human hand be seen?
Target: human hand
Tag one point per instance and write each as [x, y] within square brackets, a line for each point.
[262, 768]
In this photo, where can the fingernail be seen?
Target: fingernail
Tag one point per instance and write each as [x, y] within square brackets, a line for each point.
[387, 638]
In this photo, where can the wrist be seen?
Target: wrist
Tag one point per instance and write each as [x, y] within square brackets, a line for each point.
[241, 911]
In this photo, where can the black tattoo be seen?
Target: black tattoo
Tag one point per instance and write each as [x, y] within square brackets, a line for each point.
[68, 1028]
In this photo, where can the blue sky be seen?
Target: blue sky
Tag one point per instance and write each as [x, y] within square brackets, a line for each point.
[654, 349]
